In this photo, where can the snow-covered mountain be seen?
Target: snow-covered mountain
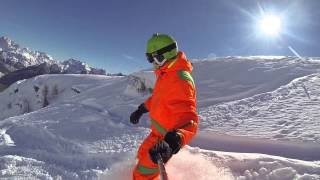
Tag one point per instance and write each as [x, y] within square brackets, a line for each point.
[15, 57]
[67, 67]
[73, 66]
[20, 61]
[77, 127]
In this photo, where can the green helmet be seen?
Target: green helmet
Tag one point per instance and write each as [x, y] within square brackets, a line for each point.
[160, 48]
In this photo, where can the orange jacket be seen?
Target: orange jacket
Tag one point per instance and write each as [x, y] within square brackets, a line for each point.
[172, 105]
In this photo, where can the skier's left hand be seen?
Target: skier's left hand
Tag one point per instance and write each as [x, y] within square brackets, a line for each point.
[136, 115]
[163, 149]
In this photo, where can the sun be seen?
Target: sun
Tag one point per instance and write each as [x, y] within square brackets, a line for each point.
[270, 25]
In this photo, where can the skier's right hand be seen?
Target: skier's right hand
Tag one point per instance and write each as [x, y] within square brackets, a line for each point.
[136, 115]
[162, 148]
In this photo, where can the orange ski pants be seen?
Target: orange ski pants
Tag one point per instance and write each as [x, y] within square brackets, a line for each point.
[146, 169]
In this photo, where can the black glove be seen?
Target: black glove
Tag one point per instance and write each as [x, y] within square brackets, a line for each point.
[163, 149]
[174, 140]
[170, 145]
[136, 115]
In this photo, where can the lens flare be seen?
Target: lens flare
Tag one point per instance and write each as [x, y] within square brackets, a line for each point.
[270, 25]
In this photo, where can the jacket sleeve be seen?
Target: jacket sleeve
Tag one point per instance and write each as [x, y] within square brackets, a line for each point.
[182, 105]
[147, 103]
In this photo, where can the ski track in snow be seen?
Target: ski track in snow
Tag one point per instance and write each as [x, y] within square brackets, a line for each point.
[85, 133]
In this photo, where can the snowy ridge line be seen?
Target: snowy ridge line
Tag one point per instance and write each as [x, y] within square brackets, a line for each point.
[297, 150]
[229, 79]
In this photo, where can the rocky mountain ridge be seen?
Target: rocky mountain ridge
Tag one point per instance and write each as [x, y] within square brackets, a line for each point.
[15, 57]
[18, 63]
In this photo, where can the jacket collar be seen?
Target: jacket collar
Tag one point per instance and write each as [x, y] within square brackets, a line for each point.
[180, 63]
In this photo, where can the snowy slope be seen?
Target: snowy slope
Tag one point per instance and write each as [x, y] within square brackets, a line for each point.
[291, 112]
[78, 125]
[30, 95]
[78, 132]
[194, 163]
[233, 78]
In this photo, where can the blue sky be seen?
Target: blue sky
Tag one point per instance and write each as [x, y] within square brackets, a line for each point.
[112, 34]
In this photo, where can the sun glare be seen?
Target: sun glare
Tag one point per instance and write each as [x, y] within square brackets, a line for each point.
[270, 25]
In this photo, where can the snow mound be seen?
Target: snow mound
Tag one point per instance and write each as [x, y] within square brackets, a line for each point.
[190, 165]
[5, 139]
[17, 167]
[32, 94]
[289, 113]
[245, 166]
[140, 83]
[233, 78]
[197, 164]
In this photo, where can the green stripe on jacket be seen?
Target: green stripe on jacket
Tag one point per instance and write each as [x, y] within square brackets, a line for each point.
[162, 130]
[146, 170]
[185, 75]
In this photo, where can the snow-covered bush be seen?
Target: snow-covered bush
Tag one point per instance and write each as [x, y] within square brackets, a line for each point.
[140, 83]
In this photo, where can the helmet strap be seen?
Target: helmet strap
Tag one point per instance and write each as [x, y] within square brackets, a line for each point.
[167, 48]
[160, 63]
[163, 51]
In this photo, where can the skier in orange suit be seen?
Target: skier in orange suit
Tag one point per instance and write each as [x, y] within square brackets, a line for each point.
[172, 107]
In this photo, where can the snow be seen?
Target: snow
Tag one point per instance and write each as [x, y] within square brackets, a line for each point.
[244, 144]
[24, 56]
[77, 126]
[289, 113]
[17, 57]
[29, 95]
[5, 138]
[197, 164]
[194, 163]
[228, 79]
